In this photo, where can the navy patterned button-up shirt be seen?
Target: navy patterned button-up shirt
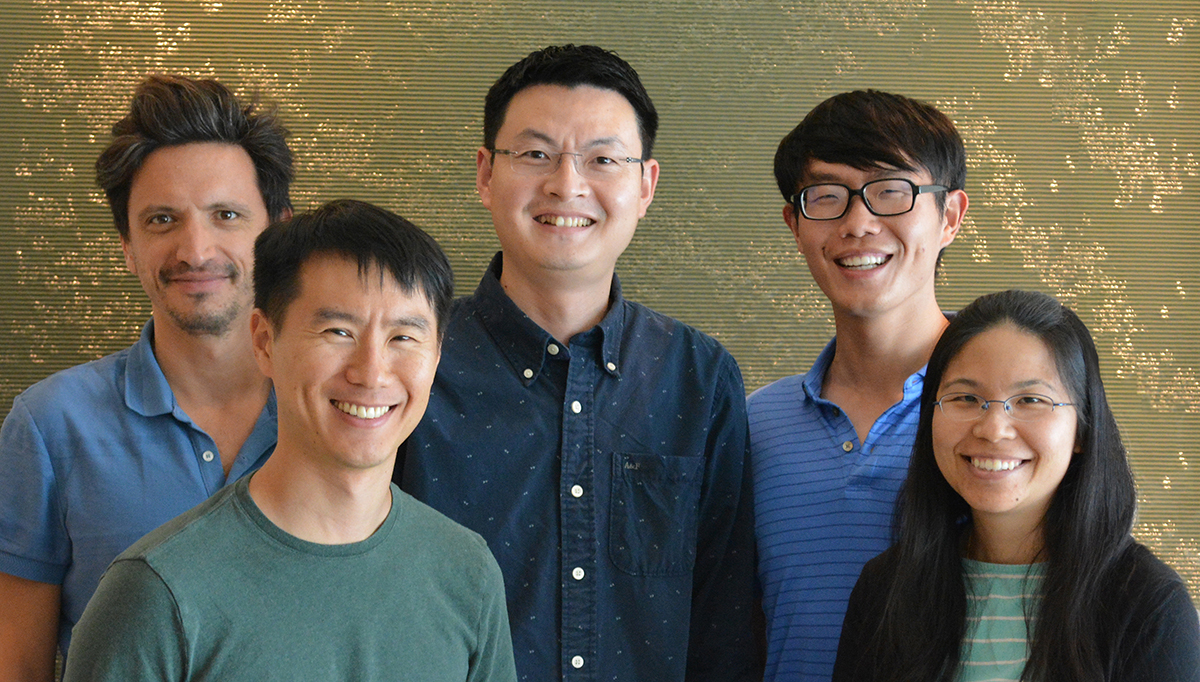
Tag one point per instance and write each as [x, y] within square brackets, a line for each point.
[611, 480]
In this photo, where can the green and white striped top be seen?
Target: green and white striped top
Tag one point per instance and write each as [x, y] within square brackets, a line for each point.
[997, 642]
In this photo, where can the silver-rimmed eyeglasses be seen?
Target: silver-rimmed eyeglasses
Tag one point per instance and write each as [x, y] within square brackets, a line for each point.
[598, 165]
[1024, 407]
[886, 197]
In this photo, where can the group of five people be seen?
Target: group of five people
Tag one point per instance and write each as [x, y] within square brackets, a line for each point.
[631, 515]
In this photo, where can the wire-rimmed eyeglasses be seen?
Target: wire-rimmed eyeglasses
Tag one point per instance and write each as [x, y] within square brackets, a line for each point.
[1024, 407]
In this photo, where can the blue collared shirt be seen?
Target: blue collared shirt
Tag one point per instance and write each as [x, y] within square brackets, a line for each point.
[611, 481]
[94, 457]
[823, 507]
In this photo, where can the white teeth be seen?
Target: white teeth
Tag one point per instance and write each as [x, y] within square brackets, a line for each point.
[995, 464]
[862, 262]
[563, 221]
[362, 411]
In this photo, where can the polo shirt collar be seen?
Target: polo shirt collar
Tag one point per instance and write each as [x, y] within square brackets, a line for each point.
[525, 344]
[146, 389]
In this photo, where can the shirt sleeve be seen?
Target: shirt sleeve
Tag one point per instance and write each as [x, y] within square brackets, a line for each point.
[722, 645]
[130, 630]
[33, 541]
[494, 661]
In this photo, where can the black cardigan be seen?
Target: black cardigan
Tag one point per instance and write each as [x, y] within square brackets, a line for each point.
[1151, 621]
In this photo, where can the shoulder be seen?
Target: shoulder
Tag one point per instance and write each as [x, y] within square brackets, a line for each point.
[1152, 619]
[96, 382]
[445, 542]
[648, 330]
[187, 537]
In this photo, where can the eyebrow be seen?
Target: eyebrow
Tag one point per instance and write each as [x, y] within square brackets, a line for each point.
[1019, 386]
[335, 315]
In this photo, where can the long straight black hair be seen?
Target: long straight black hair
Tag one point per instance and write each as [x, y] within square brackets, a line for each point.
[1086, 528]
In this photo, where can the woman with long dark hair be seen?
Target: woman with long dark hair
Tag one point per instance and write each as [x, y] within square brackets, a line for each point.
[1014, 558]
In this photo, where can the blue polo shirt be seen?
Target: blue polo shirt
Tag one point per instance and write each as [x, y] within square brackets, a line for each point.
[823, 508]
[610, 479]
[94, 457]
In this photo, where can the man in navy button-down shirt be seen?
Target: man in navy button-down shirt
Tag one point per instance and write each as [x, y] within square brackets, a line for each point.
[98, 455]
[598, 446]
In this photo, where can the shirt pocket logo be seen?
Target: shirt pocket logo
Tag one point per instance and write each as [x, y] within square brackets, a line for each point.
[653, 513]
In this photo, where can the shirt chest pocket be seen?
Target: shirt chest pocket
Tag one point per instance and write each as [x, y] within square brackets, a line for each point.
[653, 513]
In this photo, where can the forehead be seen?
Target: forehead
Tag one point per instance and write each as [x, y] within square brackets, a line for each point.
[332, 280]
[210, 171]
[580, 115]
[817, 171]
[1004, 357]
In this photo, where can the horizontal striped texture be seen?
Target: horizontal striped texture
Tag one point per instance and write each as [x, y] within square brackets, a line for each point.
[997, 645]
[823, 507]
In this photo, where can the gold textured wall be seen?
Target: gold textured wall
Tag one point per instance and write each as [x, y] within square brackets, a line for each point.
[1081, 120]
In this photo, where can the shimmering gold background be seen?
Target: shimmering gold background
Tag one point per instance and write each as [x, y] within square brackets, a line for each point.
[1080, 117]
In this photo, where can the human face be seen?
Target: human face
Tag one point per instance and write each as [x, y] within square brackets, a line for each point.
[1001, 467]
[868, 265]
[352, 362]
[194, 212]
[599, 217]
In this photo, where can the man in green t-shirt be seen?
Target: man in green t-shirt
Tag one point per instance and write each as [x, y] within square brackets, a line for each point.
[317, 567]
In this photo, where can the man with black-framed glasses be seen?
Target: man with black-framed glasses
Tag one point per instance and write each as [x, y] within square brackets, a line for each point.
[601, 448]
[874, 190]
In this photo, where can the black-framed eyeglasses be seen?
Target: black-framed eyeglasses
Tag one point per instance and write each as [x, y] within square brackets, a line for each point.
[886, 197]
[594, 165]
[1024, 407]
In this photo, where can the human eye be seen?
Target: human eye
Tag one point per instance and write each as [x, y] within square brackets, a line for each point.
[160, 220]
[226, 215]
[823, 194]
[533, 156]
[962, 399]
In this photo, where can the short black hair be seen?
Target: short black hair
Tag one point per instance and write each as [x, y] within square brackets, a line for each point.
[170, 110]
[372, 236]
[571, 66]
[865, 129]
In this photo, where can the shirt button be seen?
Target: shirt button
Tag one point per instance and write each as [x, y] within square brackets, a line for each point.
[208, 455]
[576, 491]
[528, 373]
[577, 661]
[848, 446]
[576, 407]
[577, 573]
[612, 366]
[552, 349]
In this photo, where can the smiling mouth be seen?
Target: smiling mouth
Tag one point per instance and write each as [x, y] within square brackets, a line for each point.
[990, 464]
[564, 221]
[862, 262]
[362, 411]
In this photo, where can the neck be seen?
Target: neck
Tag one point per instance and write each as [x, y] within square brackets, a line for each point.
[209, 370]
[877, 354]
[318, 505]
[1007, 539]
[559, 302]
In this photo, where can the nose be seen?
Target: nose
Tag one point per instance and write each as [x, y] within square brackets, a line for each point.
[369, 366]
[565, 181]
[995, 425]
[858, 220]
[196, 241]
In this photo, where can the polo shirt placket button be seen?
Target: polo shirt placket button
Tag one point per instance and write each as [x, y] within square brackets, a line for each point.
[577, 662]
[208, 455]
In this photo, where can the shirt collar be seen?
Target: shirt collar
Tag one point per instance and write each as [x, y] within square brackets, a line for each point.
[815, 377]
[146, 389]
[525, 344]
